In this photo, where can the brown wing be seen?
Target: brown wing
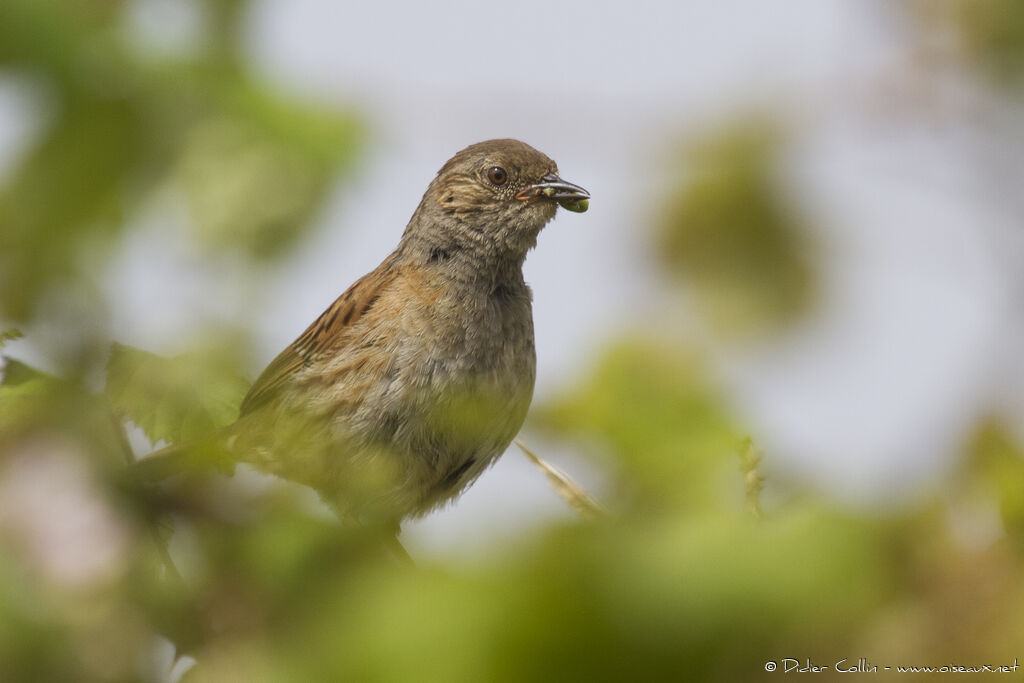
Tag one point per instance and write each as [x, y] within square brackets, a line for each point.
[319, 338]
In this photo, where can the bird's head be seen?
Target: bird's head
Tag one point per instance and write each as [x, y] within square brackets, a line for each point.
[495, 195]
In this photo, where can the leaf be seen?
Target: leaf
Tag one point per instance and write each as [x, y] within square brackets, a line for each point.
[257, 167]
[997, 460]
[15, 372]
[665, 427]
[31, 399]
[22, 399]
[10, 335]
[733, 234]
[174, 399]
[87, 158]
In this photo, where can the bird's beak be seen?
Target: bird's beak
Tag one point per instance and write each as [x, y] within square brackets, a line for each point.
[569, 196]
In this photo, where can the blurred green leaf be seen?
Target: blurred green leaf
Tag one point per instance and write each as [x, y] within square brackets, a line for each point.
[174, 399]
[51, 34]
[9, 335]
[711, 596]
[24, 395]
[256, 169]
[990, 34]
[255, 165]
[999, 460]
[34, 403]
[731, 233]
[66, 198]
[31, 648]
[669, 432]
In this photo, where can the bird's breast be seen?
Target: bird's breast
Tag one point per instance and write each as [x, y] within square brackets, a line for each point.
[476, 366]
[487, 336]
[437, 381]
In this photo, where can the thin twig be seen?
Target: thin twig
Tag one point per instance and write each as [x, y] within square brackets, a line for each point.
[573, 494]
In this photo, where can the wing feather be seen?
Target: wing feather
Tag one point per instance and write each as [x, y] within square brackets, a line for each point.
[321, 337]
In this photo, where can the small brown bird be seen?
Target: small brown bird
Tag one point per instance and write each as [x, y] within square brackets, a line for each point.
[418, 377]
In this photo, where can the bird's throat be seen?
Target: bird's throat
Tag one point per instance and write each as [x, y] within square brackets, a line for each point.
[475, 258]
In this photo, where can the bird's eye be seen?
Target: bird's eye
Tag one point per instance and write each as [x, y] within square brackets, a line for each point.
[497, 175]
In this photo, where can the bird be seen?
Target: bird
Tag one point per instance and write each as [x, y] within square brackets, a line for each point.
[418, 377]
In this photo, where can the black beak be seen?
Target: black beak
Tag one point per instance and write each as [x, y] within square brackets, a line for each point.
[554, 188]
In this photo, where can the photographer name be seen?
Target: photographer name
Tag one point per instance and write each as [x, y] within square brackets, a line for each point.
[790, 665]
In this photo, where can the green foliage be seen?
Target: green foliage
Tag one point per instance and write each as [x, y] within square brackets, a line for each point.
[711, 597]
[254, 165]
[998, 462]
[9, 335]
[677, 578]
[731, 233]
[257, 167]
[668, 431]
[990, 34]
[33, 403]
[178, 399]
[24, 394]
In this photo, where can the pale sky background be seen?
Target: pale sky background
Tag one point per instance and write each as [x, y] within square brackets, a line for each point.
[919, 332]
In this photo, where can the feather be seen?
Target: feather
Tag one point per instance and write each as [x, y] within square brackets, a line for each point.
[321, 337]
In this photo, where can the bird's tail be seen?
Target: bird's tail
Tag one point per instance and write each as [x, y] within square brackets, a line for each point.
[209, 454]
